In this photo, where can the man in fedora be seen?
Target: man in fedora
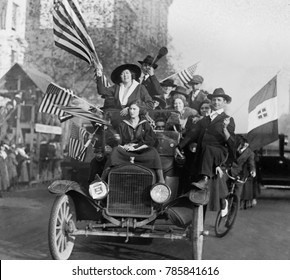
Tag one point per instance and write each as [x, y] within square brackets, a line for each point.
[215, 140]
[148, 78]
[197, 95]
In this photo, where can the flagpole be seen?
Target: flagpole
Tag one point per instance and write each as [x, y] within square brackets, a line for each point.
[168, 77]
[78, 157]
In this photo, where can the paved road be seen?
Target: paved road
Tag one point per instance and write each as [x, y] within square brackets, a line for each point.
[260, 233]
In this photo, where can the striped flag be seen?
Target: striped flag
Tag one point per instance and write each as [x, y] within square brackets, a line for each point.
[76, 148]
[70, 32]
[263, 116]
[54, 96]
[186, 75]
[83, 114]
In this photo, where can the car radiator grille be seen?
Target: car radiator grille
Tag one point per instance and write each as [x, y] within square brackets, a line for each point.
[129, 194]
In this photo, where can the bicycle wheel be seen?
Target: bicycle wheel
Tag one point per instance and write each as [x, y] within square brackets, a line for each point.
[224, 224]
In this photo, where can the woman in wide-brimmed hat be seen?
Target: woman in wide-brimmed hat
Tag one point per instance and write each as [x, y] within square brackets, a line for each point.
[125, 89]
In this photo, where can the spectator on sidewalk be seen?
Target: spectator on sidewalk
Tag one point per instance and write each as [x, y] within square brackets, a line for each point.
[12, 166]
[4, 175]
[22, 167]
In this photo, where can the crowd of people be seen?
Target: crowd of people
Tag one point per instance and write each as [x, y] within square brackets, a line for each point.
[18, 165]
[208, 141]
[14, 165]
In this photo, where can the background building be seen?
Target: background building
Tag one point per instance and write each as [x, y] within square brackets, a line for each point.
[12, 33]
[122, 31]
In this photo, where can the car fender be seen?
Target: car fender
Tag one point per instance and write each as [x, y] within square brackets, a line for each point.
[86, 208]
[64, 186]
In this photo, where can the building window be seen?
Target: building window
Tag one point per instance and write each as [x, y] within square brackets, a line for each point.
[3, 17]
[13, 57]
[15, 8]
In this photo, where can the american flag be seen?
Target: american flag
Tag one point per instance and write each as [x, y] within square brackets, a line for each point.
[70, 32]
[83, 114]
[54, 96]
[76, 146]
[186, 75]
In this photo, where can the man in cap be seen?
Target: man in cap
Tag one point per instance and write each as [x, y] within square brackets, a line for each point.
[148, 78]
[215, 140]
[197, 95]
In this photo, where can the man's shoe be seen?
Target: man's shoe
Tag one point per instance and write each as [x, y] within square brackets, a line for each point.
[201, 184]
[225, 210]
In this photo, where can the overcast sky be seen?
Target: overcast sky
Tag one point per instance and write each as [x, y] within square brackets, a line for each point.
[241, 45]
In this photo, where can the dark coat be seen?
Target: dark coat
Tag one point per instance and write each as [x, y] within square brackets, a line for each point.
[142, 134]
[112, 93]
[195, 104]
[244, 164]
[152, 85]
[209, 134]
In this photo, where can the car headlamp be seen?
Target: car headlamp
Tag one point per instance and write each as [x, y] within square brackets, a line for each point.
[98, 190]
[160, 193]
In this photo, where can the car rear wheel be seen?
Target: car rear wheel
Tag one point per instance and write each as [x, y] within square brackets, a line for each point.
[197, 232]
[62, 221]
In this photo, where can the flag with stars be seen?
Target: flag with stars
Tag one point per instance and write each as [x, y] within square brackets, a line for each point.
[70, 31]
[263, 116]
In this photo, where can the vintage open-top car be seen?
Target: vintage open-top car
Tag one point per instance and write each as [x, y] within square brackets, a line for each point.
[126, 201]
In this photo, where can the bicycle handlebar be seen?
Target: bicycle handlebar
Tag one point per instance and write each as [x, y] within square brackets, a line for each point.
[237, 178]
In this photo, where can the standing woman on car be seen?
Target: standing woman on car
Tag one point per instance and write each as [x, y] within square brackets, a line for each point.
[137, 142]
[125, 90]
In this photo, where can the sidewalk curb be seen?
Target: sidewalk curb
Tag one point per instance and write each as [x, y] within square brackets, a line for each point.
[26, 187]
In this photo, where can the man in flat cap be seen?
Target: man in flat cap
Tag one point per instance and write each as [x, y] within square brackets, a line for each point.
[197, 95]
[148, 78]
[215, 138]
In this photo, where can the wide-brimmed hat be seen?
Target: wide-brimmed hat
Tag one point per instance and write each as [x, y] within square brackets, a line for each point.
[116, 74]
[179, 90]
[148, 59]
[196, 79]
[168, 83]
[161, 100]
[219, 92]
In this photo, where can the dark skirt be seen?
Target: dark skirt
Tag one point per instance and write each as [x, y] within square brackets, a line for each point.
[148, 157]
[249, 192]
[218, 190]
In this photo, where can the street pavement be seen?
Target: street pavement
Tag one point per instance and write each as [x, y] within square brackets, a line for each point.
[260, 233]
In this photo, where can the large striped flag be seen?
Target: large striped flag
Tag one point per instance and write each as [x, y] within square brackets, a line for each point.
[186, 75]
[54, 96]
[263, 116]
[70, 32]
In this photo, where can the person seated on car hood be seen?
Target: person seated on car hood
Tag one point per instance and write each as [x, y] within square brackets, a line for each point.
[137, 142]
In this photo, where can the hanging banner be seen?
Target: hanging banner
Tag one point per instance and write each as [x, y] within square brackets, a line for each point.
[42, 128]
